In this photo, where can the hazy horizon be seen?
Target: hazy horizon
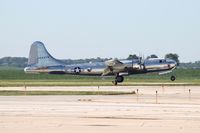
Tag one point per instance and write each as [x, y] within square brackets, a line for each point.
[89, 29]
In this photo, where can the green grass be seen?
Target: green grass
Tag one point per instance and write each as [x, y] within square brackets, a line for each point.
[16, 77]
[32, 93]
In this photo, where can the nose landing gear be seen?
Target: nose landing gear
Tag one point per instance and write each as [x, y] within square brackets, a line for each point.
[173, 78]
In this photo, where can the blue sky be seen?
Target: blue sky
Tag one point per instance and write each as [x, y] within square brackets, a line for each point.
[101, 28]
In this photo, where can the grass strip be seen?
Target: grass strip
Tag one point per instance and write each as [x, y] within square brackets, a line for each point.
[32, 93]
[14, 83]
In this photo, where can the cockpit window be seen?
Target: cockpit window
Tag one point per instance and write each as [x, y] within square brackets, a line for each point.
[162, 61]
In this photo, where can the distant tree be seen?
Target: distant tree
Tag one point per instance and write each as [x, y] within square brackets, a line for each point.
[132, 57]
[173, 56]
[13, 61]
[152, 56]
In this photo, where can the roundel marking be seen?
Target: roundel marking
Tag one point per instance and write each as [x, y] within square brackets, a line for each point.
[77, 70]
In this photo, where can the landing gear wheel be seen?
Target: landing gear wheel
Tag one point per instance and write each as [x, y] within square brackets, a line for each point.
[173, 78]
[119, 79]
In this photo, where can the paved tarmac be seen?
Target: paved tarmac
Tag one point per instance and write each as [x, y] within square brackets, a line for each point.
[172, 109]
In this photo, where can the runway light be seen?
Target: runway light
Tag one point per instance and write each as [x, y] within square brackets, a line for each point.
[156, 96]
[137, 95]
[189, 94]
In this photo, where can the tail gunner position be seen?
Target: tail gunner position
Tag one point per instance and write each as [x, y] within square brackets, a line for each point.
[40, 61]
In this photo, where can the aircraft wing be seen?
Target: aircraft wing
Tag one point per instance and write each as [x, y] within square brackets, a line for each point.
[113, 67]
[113, 62]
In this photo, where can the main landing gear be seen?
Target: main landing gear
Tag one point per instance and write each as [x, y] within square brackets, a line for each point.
[118, 79]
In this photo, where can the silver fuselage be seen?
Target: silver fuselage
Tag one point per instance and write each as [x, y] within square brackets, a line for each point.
[97, 68]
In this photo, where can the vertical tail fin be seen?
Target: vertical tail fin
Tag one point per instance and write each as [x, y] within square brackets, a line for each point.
[39, 56]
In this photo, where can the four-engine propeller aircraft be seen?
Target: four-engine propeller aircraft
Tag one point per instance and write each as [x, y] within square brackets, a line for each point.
[40, 61]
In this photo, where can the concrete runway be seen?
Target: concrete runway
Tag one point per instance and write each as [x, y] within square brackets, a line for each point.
[174, 109]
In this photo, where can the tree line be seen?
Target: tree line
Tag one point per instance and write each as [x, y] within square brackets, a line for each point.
[22, 61]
